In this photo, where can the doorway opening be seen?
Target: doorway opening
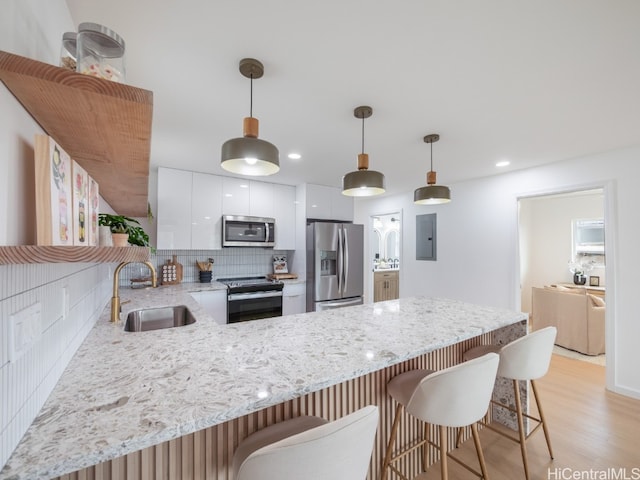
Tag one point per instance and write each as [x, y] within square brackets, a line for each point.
[385, 255]
[562, 269]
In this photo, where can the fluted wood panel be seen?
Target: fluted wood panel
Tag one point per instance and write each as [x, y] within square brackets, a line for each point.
[207, 454]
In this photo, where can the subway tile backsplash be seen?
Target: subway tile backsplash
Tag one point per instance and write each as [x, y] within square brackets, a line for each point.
[228, 262]
[71, 297]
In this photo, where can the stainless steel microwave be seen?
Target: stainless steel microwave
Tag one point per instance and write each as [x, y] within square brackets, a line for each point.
[245, 231]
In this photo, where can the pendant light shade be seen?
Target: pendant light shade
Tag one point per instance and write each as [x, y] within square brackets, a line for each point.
[248, 155]
[432, 194]
[363, 182]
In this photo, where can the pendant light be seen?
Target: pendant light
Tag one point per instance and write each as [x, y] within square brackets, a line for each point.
[249, 155]
[363, 182]
[432, 194]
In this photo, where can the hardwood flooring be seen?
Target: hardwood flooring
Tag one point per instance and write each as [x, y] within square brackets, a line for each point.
[595, 434]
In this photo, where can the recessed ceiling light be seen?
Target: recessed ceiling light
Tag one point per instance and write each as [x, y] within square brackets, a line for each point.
[294, 156]
[503, 163]
[244, 185]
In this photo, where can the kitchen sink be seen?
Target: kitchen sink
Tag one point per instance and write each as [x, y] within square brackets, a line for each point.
[158, 318]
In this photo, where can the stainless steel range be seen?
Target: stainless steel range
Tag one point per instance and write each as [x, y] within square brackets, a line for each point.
[252, 298]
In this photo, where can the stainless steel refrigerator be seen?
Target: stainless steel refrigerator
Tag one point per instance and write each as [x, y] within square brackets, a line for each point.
[335, 265]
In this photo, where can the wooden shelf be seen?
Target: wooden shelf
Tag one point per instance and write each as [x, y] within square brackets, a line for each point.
[23, 254]
[104, 126]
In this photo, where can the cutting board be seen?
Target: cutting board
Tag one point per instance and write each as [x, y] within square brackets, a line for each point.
[282, 276]
[171, 272]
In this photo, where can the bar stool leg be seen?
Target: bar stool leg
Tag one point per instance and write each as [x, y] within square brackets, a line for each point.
[476, 441]
[459, 436]
[392, 439]
[521, 432]
[443, 453]
[425, 448]
[542, 419]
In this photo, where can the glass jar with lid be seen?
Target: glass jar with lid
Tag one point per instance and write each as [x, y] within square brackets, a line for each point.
[68, 51]
[100, 52]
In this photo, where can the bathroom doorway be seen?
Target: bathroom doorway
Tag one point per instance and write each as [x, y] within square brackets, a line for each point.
[386, 256]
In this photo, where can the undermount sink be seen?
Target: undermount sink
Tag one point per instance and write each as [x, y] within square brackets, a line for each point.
[158, 318]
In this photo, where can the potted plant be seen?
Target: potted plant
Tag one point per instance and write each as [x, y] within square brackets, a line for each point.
[124, 230]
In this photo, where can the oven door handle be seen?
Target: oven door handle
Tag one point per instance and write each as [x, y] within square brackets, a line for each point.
[249, 296]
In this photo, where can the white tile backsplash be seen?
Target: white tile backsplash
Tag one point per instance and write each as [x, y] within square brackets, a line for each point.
[228, 262]
[26, 383]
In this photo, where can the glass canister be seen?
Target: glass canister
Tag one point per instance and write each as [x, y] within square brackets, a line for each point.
[100, 52]
[68, 51]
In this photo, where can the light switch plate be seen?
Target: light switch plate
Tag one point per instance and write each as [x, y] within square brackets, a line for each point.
[24, 330]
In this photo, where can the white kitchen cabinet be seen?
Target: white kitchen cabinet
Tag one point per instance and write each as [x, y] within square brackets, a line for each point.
[206, 212]
[191, 206]
[284, 198]
[328, 203]
[261, 202]
[235, 196]
[318, 201]
[341, 206]
[174, 209]
[214, 302]
[294, 297]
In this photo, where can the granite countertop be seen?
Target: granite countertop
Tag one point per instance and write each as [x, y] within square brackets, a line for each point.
[123, 391]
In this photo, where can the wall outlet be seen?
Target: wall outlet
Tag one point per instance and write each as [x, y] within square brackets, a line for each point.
[24, 330]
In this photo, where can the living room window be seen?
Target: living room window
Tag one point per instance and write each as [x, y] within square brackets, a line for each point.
[588, 241]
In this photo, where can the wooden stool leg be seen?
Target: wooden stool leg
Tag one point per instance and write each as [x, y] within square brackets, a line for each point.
[542, 419]
[521, 432]
[476, 441]
[443, 453]
[425, 448]
[459, 436]
[392, 439]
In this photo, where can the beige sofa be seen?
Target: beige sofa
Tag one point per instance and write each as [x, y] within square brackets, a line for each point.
[578, 316]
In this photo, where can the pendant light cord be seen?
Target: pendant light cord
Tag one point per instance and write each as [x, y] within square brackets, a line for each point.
[431, 143]
[363, 134]
[251, 97]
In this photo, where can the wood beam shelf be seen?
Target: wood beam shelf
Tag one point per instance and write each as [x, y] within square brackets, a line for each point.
[24, 254]
[103, 125]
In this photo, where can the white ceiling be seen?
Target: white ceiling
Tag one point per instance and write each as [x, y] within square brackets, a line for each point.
[528, 81]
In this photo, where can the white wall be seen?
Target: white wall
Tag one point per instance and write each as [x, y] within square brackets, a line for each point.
[546, 238]
[478, 254]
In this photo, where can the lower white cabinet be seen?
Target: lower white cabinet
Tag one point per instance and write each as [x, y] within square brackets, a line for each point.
[214, 302]
[294, 297]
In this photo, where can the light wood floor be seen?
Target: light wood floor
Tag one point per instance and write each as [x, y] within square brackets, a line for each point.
[591, 429]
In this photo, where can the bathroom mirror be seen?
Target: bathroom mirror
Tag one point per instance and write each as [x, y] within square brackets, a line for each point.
[385, 244]
[392, 245]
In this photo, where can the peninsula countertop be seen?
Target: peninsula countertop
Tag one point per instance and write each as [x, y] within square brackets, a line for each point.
[124, 391]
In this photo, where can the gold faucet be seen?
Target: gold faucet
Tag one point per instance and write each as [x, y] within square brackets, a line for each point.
[115, 299]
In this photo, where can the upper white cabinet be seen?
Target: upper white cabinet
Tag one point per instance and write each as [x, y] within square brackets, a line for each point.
[284, 199]
[191, 205]
[174, 209]
[206, 212]
[235, 196]
[261, 201]
[328, 203]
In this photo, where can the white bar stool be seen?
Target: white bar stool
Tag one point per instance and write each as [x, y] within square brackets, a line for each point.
[526, 358]
[454, 397]
[309, 448]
